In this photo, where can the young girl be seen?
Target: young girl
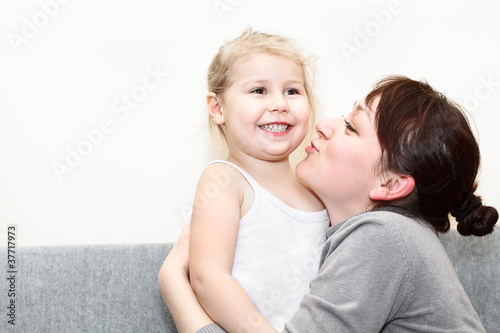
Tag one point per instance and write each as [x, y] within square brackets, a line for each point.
[389, 174]
[256, 232]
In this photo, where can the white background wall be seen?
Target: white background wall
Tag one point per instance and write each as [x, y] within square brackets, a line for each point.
[112, 95]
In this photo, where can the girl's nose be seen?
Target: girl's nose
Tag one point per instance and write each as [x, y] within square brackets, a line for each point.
[278, 103]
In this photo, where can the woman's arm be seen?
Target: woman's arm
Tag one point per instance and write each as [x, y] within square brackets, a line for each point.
[176, 290]
[214, 231]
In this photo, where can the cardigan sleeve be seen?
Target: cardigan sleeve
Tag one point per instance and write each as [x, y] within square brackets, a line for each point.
[212, 328]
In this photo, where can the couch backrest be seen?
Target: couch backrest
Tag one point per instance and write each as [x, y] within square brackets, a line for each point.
[113, 288]
[477, 263]
[100, 288]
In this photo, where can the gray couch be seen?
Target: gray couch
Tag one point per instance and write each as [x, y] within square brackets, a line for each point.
[113, 288]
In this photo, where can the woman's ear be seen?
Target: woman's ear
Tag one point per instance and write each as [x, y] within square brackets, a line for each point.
[215, 108]
[398, 186]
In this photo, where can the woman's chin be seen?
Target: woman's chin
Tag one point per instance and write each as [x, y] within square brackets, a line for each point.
[301, 170]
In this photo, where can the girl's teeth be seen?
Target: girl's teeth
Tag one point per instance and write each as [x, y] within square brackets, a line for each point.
[276, 128]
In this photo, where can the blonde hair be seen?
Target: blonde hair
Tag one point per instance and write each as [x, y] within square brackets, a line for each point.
[219, 77]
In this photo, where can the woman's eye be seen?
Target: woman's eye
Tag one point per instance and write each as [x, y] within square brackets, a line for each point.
[258, 91]
[348, 126]
[291, 91]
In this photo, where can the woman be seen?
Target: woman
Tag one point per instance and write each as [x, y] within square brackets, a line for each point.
[389, 174]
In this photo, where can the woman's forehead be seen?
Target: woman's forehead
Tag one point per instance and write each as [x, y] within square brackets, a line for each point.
[360, 108]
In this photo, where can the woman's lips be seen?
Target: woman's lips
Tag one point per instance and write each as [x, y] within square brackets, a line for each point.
[311, 148]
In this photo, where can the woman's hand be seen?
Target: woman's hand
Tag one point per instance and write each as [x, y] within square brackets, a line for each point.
[176, 291]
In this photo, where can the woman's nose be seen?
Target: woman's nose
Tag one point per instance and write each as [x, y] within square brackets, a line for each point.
[326, 127]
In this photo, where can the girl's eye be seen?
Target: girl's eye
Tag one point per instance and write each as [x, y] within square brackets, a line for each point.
[258, 91]
[292, 91]
[348, 126]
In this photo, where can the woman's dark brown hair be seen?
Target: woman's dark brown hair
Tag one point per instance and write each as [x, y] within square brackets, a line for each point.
[427, 136]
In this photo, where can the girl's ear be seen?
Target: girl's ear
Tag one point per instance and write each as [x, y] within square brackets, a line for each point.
[398, 186]
[215, 108]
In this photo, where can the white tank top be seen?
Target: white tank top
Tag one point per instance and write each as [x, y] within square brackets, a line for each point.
[277, 253]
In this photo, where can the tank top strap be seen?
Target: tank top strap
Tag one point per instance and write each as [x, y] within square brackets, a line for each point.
[256, 187]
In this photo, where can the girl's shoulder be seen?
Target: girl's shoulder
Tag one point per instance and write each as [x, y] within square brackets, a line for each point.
[224, 182]
[222, 169]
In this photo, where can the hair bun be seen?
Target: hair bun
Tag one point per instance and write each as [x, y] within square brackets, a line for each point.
[476, 219]
[474, 202]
